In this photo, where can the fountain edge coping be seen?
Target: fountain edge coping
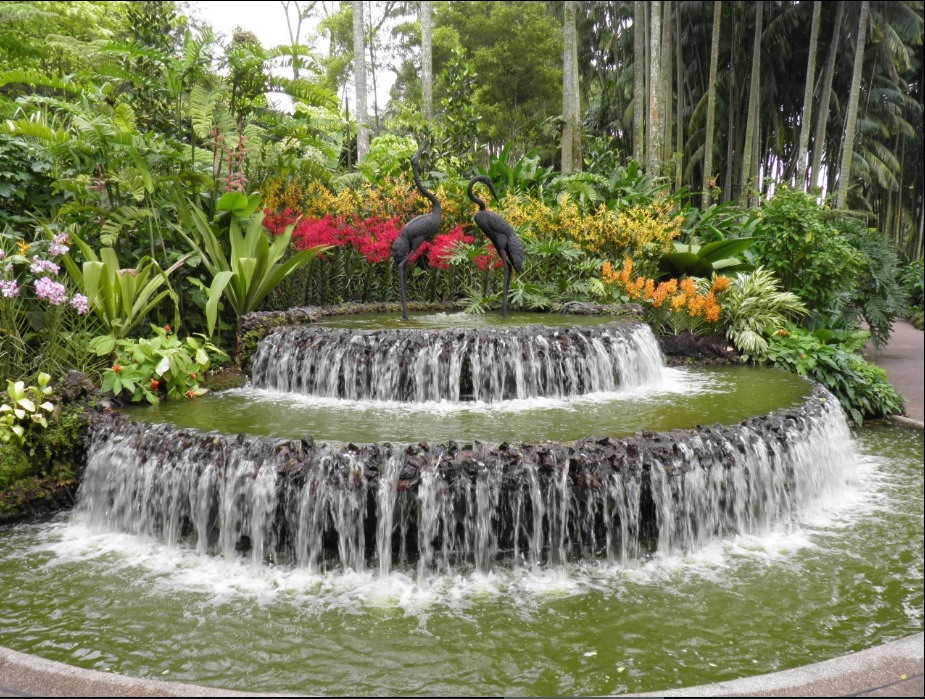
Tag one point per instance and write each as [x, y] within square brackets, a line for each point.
[891, 666]
[884, 670]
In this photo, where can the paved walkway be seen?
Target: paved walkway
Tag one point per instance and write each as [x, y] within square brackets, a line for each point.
[894, 669]
[902, 360]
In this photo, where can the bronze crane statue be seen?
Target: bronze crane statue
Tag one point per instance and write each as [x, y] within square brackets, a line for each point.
[501, 234]
[416, 232]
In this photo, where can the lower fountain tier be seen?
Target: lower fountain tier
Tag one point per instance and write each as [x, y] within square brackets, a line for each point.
[480, 364]
[341, 505]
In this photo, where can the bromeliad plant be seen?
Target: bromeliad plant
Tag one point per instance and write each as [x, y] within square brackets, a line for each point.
[160, 366]
[250, 270]
[121, 298]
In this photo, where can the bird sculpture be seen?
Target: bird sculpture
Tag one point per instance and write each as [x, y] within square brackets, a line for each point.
[501, 234]
[416, 232]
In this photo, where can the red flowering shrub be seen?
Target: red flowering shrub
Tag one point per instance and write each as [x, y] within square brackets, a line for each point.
[276, 223]
[374, 238]
[441, 247]
[488, 259]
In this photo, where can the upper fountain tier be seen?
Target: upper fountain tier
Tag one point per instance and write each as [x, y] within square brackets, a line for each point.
[480, 364]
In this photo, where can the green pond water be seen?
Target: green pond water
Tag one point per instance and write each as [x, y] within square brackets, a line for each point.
[846, 576]
[686, 398]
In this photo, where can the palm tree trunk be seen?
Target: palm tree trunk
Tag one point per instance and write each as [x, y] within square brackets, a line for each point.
[679, 132]
[576, 105]
[639, 80]
[751, 126]
[825, 97]
[655, 92]
[568, 116]
[711, 106]
[851, 121]
[667, 136]
[806, 121]
[427, 62]
[359, 69]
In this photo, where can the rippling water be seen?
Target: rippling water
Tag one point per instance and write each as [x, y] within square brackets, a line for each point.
[843, 577]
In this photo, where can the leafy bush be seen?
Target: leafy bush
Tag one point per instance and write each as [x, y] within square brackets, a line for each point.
[862, 388]
[799, 245]
[913, 284]
[162, 365]
[27, 410]
[555, 272]
[879, 297]
[753, 308]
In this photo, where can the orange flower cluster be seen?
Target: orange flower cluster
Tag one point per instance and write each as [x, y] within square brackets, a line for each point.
[681, 296]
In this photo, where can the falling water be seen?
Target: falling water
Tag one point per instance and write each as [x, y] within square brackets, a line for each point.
[444, 508]
[489, 365]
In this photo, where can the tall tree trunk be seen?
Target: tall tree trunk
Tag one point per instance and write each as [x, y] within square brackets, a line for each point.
[427, 62]
[639, 80]
[667, 136]
[751, 125]
[851, 120]
[806, 122]
[711, 106]
[679, 65]
[568, 116]
[576, 105]
[359, 69]
[825, 97]
[654, 163]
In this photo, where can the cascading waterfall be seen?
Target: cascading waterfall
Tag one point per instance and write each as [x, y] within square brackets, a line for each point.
[452, 507]
[433, 365]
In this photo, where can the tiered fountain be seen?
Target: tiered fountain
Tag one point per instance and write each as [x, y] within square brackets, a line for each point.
[460, 503]
[445, 509]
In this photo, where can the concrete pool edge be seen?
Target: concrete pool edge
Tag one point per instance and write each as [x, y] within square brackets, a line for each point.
[894, 668]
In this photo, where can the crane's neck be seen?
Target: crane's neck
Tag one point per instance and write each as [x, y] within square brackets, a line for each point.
[471, 193]
[430, 197]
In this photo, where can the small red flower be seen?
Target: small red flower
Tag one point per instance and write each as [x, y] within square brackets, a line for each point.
[155, 384]
[191, 394]
[117, 367]
[167, 329]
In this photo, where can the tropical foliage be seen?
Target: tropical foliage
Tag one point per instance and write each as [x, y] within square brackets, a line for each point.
[147, 179]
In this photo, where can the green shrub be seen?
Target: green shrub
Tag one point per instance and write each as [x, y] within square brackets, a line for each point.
[912, 280]
[830, 358]
[798, 242]
[162, 365]
[25, 410]
[879, 297]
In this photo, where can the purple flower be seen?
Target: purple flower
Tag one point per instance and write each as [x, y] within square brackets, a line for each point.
[43, 266]
[9, 289]
[79, 304]
[59, 245]
[51, 291]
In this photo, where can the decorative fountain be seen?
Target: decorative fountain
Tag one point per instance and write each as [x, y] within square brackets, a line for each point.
[459, 504]
[483, 564]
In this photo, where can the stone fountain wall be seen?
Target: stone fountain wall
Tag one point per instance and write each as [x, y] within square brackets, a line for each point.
[347, 505]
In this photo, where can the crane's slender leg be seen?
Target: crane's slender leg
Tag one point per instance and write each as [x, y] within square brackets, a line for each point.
[507, 284]
[403, 284]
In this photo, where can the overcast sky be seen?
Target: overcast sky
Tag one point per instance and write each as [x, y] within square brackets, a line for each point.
[267, 20]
